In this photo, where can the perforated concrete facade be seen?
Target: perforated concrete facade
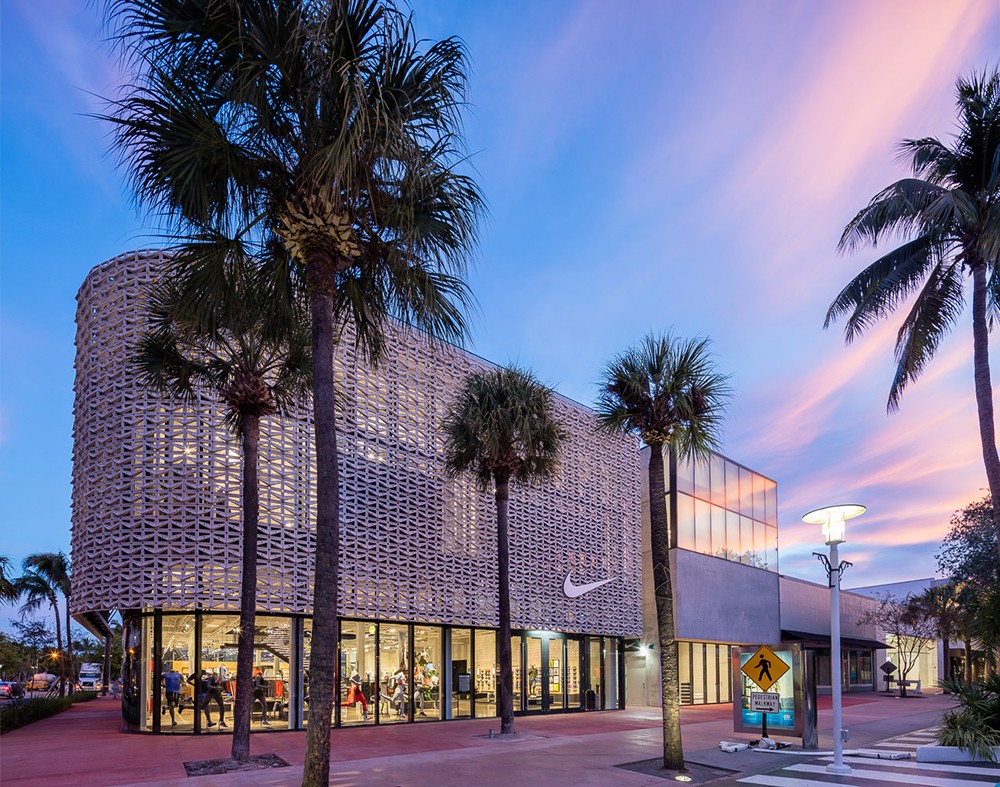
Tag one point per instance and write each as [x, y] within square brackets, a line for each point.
[156, 494]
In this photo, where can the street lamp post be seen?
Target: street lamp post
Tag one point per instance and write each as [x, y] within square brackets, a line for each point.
[834, 522]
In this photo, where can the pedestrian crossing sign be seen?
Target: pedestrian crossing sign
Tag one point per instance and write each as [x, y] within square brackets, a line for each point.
[765, 668]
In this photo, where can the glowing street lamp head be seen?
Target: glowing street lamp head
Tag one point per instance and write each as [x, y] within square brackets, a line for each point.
[834, 520]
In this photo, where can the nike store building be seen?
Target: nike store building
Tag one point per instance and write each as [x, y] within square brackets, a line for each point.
[156, 536]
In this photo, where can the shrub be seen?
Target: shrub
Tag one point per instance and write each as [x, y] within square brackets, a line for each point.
[19, 714]
[975, 725]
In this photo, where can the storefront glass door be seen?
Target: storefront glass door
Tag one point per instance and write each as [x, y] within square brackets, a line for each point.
[536, 679]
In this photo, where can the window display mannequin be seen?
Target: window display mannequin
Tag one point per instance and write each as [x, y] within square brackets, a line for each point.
[213, 693]
[172, 681]
[259, 695]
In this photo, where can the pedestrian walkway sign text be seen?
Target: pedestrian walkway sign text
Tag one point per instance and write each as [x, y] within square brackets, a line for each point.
[765, 668]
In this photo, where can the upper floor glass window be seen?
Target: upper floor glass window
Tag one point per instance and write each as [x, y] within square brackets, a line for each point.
[727, 510]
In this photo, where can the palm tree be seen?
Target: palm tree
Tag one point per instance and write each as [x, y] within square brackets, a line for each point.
[948, 215]
[667, 392]
[38, 590]
[324, 139]
[256, 366]
[8, 588]
[501, 428]
[54, 566]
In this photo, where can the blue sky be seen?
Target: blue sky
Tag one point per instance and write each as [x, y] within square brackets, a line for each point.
[649, 165]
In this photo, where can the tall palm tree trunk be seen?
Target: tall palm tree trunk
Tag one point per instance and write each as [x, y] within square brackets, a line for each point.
[968, 660]
[70, 667]
[59, 643]
[673, 751]
[322, 656]
[984, 389]
[250, 434]
[505, 695]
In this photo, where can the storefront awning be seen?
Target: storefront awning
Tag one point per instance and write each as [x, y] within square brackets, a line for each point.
[808, 638]
[97, 623]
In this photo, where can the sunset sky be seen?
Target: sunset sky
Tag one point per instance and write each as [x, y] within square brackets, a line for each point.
[648, 165]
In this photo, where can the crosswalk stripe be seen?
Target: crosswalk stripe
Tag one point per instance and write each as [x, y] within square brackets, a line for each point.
[882, 776]
[781, 781]
[988, 772]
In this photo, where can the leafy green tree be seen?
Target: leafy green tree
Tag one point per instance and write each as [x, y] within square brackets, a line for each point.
[667, 392]
[501, 428]
[33, 637]
[968, 552]
[54, 567]
[255, 365]
[948, 215]
[983, 624]
[909, 630]
[968, 559]
[323, 138]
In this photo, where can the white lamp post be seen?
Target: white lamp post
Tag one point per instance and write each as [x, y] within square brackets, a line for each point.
[834, 522]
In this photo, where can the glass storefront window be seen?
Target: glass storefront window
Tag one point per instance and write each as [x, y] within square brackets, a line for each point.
[595, 695]
[357, 672]
[218, 671]
[557, 670]
[533, 675]
[394, 678]
[611, 671]
[461, 674]
[703, 672]
[133, 676]
[176, 681]
[515, 659]
[573, 673]
[272, 670]
[179, 672]
[428, 661]
[486, 673]
[306, 649]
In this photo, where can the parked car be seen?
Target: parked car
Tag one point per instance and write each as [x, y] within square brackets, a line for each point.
[40, 681]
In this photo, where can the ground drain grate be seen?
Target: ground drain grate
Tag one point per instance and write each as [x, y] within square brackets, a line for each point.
[259, 762]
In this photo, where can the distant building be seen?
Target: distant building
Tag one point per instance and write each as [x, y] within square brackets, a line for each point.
[930, 667]
[723, 521]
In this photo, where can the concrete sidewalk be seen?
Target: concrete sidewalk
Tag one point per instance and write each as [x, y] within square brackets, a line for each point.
[83, 746]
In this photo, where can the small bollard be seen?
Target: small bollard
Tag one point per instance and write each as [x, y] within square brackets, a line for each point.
[491, 732]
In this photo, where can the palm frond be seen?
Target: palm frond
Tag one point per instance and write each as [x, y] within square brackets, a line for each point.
[896, 210]
[934, 312]
[668, 391]
[876, 292]
[501, 424]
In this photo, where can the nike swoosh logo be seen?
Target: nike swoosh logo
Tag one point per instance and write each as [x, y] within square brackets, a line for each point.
[575, 591]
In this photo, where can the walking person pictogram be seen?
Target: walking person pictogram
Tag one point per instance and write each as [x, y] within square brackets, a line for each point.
[763, 668]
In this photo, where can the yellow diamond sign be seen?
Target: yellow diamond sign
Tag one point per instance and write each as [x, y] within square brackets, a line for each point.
[764, 668]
